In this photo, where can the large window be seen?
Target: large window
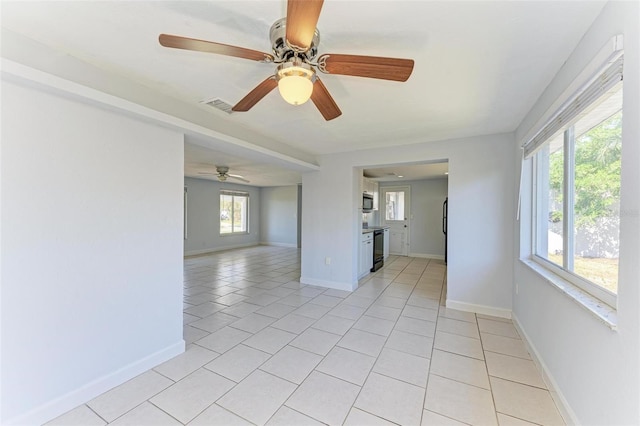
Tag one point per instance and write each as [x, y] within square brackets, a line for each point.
[577, 191]
[234, 212]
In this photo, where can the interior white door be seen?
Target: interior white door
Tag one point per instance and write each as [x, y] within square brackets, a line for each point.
[396, 202]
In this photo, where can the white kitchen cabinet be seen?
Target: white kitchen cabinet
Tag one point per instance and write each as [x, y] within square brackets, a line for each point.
[371, 187]
[369, 258]
[375, 190]
[366, 254]
[365, 185]
[385, 246]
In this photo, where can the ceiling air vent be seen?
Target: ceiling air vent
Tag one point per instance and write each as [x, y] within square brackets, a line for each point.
[218, 103]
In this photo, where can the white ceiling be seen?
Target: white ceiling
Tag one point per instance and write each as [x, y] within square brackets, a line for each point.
[479, 65]
[406, 172]
[200, 159]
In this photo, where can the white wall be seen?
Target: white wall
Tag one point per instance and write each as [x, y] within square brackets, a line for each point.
[203, 217]
[91, 251]
[481, 214]
[279, 215]
[426, 238]
[272, 216]
[331, 224]
[596, 370]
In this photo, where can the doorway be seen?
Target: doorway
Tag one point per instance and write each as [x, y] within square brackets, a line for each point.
[396, 207]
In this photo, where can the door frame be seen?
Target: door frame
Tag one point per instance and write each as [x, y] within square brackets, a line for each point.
[382, 205]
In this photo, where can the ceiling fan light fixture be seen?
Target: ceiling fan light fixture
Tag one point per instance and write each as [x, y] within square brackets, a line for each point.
[295, 81]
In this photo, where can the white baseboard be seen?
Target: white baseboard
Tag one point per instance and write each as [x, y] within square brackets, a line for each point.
[271, 243]
[427, 256]
[330, 284]
[216, 249]
[479, 309]
[563, 406]
[64, 403]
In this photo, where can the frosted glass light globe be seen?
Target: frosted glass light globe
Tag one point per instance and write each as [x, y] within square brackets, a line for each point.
[295, 84]
[295, 89]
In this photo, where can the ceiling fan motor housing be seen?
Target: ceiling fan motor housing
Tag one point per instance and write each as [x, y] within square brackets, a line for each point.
[283, 51]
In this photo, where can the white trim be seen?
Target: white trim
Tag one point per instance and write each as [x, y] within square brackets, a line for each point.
[185, 214]
[54, 408]
[407, 212]
[520, 184]
[605, 313]
[561, 402]
[275, 244]
[330, 284]
[479, 309]
[216, 249]
[427, 256]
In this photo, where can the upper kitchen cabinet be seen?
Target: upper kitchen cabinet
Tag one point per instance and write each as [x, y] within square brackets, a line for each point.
[370, 187]
[376, 191]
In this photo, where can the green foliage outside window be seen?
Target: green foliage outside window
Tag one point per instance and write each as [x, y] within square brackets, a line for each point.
[597, 171]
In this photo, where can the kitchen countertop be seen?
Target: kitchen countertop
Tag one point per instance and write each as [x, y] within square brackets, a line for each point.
[373, 228]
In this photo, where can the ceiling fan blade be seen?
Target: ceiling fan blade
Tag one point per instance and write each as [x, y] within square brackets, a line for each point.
[237, 177]
[256, 95]
[302, 18]
[324, 102]
[366, 66]
[186, 43]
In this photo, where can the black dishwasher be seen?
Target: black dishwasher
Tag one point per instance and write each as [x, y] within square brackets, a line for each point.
[378, 249]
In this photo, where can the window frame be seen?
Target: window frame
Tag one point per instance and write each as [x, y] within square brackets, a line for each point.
[600, 85]
[595, 290]
[233, 194]
[568, 239]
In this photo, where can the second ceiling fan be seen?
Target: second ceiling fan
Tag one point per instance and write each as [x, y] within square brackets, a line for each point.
[222, 173]
[294, 42]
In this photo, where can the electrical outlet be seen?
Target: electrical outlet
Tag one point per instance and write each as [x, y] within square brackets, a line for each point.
[327, 261]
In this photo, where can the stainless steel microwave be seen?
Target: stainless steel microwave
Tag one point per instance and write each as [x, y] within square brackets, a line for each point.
[367, 202]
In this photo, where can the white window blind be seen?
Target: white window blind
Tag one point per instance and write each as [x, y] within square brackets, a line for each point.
[236, 193]
[573, 109]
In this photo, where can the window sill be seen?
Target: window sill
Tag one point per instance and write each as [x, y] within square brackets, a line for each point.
[605, 313]
[233, 234]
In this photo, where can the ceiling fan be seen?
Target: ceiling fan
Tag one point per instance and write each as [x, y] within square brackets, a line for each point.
[222, 172]
[294, 42]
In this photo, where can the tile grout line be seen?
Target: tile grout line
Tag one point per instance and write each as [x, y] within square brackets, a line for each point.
[164, 411]
[95, 412]
[426, 388]
[486, 367]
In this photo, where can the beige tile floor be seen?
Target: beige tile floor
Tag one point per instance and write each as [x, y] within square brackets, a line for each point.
[264, 349]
